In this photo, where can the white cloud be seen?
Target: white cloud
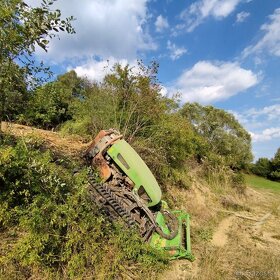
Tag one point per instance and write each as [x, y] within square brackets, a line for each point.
[104, 28]
[242, 16]
[96, 70]
[270, 112]
[163, 91]
[208, 82]
[175, 52]
[266, 135]
[200, 10]
[263, 123]
[161, 23]
[270, 41]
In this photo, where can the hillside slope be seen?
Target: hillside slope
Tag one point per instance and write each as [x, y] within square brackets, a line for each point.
[233, 236]
[242, 244]
[70, 145]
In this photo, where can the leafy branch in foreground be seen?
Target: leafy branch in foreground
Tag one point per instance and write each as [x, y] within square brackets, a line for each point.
[23, 29]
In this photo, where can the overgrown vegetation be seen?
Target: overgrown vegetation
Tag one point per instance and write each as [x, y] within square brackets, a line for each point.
[56, 230]
[163, 133]
[49, 227]
[225, 141]
[24, 28]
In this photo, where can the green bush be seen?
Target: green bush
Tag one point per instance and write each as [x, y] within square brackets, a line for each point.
[47, 108]
[53, 228]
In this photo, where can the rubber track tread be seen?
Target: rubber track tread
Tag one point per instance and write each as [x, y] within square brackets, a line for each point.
[115, 202]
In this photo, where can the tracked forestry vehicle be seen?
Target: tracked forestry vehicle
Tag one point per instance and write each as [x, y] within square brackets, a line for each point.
[129, 190]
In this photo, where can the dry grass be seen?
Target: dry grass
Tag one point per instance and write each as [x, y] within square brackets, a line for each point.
[247, 253]
[72, 146]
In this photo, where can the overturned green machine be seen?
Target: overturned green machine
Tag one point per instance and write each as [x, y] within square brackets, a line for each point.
[130, 191]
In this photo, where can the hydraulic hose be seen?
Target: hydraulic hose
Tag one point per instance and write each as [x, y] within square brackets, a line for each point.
[173, 226]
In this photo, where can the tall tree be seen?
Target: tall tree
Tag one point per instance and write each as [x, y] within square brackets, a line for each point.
[22, 29]
[275, 163]
[224, 135]
[52, 104]
[262, 167]
[137, 99]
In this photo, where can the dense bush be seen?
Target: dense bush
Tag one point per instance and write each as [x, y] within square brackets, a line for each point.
[275, 166]
[52, 226]
[47, 112]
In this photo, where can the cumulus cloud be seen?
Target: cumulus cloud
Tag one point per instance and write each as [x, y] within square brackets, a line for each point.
[267, 134]
[96, 70]
[259, 118]
[175, 52]
[270, 112]
[242, 16]
[263, 123]
[197, 12]
[164, 91]
[270, 41]
[208, 82]
[161, 23]
[104, 28]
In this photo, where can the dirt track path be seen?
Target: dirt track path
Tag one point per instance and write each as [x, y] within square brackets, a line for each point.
[220, 236]
[244, 245]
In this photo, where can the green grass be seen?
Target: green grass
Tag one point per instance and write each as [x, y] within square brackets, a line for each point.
[262, 183]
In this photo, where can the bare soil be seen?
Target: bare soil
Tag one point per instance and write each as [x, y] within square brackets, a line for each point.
[244, 245]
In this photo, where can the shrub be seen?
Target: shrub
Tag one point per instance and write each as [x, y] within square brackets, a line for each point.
[53, 228]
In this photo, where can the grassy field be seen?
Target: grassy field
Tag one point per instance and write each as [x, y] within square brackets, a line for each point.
[262, 183]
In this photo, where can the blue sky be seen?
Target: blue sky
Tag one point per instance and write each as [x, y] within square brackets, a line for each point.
[224, 53]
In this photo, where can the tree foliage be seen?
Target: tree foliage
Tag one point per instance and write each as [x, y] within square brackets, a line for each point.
[14, 94]
[268, 168]
[223, 134]
[275, 166]
[22, 29]
[137, 101]
[262, 167]
[50, 105]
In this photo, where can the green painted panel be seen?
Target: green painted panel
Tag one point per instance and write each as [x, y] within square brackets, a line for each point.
[180, 246]
[136, 169]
